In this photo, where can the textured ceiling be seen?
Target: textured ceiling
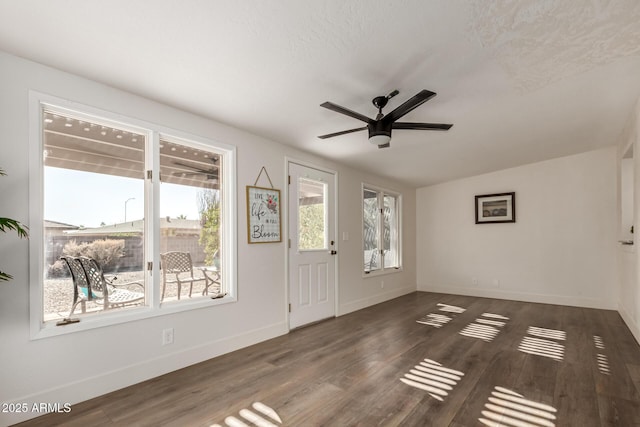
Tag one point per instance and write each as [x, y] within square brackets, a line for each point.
[522, 81]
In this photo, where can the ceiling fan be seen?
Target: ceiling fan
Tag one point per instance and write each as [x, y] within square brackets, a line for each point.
[211, 174]
[380, 128]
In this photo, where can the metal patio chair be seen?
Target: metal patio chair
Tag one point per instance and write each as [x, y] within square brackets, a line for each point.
[177, 268]
[79, 279]
[90, 284]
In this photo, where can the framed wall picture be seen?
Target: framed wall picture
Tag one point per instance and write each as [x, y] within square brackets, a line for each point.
[492, 208]
[263, 215]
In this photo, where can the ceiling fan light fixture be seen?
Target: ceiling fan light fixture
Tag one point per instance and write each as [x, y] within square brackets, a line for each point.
[379, 139]
[380, 128]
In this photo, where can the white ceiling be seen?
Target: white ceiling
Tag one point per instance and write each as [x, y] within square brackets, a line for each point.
[522, 81]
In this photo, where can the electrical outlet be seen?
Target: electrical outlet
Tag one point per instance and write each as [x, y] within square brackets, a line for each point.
[474, 281]
[496, 283]
[382, 284]
[167, 336]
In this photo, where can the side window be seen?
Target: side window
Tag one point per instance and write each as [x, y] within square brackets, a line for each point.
[391, 231]
[93, 207]
[116, 199]
[190, 218]
[381, 229]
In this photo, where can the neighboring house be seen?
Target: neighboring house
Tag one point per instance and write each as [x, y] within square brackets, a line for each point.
[184, 233]
[54, 228]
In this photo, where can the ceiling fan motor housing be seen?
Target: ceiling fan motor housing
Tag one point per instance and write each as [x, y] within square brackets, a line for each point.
[380, 102]
[379, 127]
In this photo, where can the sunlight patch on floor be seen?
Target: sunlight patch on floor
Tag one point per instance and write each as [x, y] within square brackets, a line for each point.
[435, 320]
[540, 347]
[438, 320]
[495, 316]
[485, 327]
[598, 342]
[261, 416]
[601, 358]
[547, 333]
[545, 346]
[506, 408]
[451, 308]
[603, 364]
[433, 378]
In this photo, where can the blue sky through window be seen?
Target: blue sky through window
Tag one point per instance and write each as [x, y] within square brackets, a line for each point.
[89, 199]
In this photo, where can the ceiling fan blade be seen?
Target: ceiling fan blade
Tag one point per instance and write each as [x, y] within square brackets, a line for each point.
[419, 99]
[331, 135]
[423, 126]
[338, 109]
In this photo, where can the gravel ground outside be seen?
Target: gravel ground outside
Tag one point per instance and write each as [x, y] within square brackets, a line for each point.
[58, 294]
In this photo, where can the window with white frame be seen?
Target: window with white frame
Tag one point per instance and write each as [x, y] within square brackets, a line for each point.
[381, 229]
[116, 198]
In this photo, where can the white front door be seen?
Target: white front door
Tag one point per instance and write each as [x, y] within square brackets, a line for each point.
[312, 252]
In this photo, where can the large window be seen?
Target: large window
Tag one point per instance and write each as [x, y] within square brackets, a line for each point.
[111, 200]
[381, 229]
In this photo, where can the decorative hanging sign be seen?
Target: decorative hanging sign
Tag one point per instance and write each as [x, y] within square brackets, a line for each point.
[263, 213]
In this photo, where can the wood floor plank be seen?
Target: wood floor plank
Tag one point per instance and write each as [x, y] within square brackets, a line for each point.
[574, 397]
[380, 367]
[613, 377]
[502, 371]
[618, 412]
[634, 373]
[627, 346]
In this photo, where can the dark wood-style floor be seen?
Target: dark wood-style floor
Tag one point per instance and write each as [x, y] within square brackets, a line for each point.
[473, 361]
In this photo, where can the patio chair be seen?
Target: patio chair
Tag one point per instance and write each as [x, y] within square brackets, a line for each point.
[178, 268]
[373, 261]
[79, 280]
[90, 284]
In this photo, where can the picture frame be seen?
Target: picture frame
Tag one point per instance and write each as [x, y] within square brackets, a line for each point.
[263, 215]
[495, 208]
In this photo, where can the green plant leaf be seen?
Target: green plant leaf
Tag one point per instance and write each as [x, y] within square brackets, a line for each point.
[12, 224]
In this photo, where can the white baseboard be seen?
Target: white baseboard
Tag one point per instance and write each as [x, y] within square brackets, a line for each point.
[628, 319]
[374, 299]
[116, 379]
[522, 296]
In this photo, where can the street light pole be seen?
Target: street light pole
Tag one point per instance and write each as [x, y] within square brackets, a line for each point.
[125, 207]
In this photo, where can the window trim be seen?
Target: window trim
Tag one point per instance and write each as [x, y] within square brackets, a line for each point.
[153, 132]
[381, 193]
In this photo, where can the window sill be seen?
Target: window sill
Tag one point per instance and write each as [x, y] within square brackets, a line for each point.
[627, 246]
[385, 272]
[119, 316]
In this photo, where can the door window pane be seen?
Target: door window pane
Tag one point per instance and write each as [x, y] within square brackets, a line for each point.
[190, 219]
[312, 218]
[93, 207]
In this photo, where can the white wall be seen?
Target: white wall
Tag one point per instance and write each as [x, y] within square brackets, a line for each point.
[629, 276]
[561, 249]
[81, 365]
[357, 292]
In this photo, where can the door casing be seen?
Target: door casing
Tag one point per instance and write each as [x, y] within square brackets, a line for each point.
[288, 237]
